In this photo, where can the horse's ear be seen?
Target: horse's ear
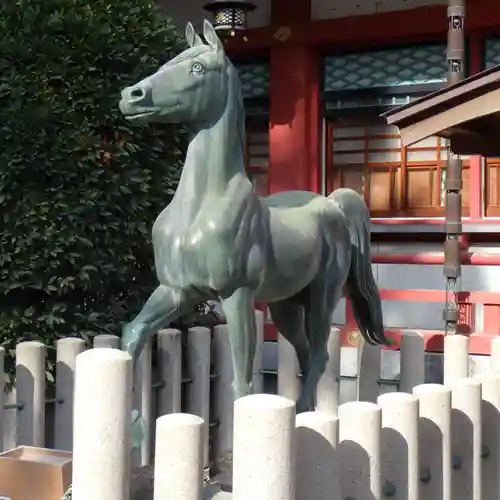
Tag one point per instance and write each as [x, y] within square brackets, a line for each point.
[192, 37]
[211, 36]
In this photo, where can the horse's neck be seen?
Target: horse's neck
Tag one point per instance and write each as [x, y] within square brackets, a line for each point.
[214, 161]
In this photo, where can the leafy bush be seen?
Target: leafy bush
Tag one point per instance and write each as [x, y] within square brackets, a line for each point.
[79, 187]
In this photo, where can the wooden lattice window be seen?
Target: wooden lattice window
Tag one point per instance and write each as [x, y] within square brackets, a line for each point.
[257, 156]
[396, 181]
[492, 187]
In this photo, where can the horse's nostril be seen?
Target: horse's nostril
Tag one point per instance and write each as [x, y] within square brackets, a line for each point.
[137, 93]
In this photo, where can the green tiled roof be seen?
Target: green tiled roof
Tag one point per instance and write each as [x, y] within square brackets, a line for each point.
[492, 53]
[254, 78]
[417, 64]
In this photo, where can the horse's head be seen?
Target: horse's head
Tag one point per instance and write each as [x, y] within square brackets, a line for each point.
[192, 88]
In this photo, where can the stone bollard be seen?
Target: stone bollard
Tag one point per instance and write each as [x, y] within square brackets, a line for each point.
[317, 465]
[198, 369]
[359, 450]
[263, 453]
[400, 445]
[412, 361]
[435, 441]
[328, 390]
[142, 401]
[67, 351]
[495, 354]
[223, 397]
[257, 377]
[490, 409]
[30, 385]
[169, 355]
[369, 364]
[455, 358]
[179, 458]
[466, 436]
[107, 341]
[289, 383]
[102, 438]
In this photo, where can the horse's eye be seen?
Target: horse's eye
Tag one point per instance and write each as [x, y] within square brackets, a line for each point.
[197, 68]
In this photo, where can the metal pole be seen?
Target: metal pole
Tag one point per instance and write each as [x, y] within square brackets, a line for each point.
[453, 186]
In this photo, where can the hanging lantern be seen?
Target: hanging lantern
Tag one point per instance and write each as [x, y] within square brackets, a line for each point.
[230, 16]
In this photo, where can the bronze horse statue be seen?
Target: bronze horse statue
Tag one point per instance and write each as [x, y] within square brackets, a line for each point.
[217, 240]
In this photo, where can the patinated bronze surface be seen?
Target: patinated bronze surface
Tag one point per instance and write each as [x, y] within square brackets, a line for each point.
[295, 250]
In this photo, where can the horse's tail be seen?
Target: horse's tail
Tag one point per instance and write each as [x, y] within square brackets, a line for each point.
[360, 285]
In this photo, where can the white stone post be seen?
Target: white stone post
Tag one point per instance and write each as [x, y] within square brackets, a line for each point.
[102, 424]
[412, 361]
[143, 402]
[435, 441]
[30, 385]
[169, 350]
[198, 370]
[491, 435]
[466, 430]
[328, 390]
[106, 341]
[223, 394]
[317, 464]
[495, 354]
[359, 450]
[263, 454]
[10, 434]
[288, 370]
[179, 457]
[369, 362]
[456, 358]
[400, 445]
[257, 377]
[67, 351]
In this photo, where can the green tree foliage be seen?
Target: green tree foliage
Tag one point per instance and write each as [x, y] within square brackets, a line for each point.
[79, 187]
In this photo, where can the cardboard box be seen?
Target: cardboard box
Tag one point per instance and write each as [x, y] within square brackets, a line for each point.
[29, 473]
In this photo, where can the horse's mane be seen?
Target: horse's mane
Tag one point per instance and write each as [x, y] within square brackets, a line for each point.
[236, 95]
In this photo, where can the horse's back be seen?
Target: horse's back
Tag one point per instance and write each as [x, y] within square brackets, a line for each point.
[303, 206]
[290, 199]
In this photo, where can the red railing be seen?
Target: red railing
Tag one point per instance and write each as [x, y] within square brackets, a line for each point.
[479, 341]
[435, 259]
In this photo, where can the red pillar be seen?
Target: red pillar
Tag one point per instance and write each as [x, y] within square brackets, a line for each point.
[294, 116]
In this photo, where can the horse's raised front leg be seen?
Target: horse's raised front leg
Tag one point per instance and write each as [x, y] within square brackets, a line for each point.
[240, 317]
[163, 306]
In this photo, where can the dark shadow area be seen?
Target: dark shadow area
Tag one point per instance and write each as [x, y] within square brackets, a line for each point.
[462, 451]
[394, 451]
[59, 410]
[26, 417]
[430, 443]
[317, 474]
[355, 475]
[489, 464]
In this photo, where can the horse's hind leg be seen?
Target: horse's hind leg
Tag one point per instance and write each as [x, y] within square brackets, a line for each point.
[288, 316]
[318, 312]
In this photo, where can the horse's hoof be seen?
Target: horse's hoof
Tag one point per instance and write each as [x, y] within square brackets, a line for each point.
[129, 342]
[302, 408]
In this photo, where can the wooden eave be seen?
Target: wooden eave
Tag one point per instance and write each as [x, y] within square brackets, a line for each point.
[467, 113]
